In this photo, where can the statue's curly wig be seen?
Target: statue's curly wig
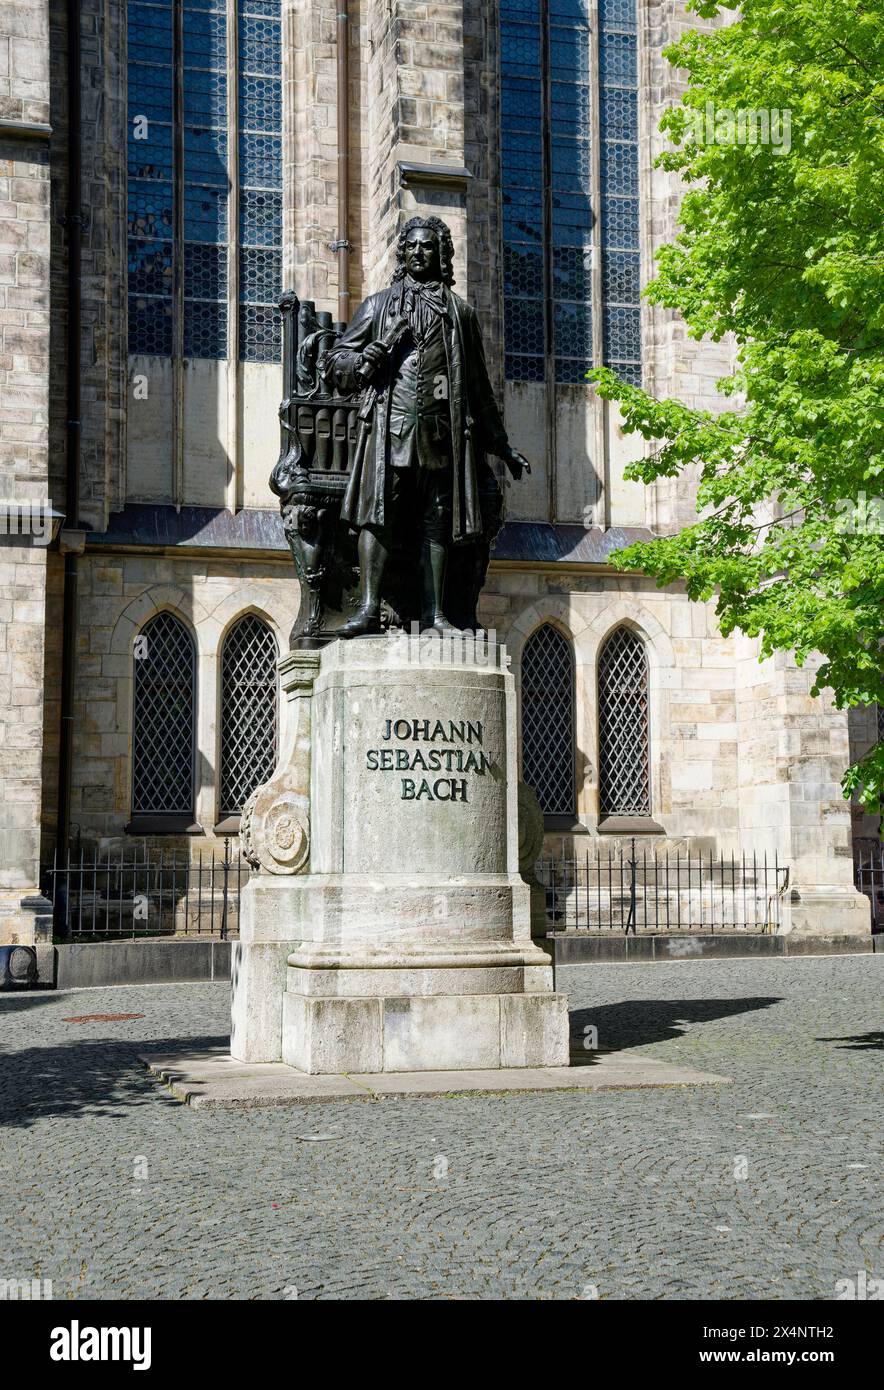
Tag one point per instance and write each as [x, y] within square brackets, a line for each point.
[446, 247]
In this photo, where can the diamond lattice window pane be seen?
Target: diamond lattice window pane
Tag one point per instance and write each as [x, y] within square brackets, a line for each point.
[163, 724]
[548, 720]
[624, 777]
[248, 711]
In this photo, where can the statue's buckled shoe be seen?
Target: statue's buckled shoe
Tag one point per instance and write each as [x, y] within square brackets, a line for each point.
[364, 623]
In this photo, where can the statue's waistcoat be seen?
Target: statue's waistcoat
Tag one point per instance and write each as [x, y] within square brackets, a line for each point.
[420, 418]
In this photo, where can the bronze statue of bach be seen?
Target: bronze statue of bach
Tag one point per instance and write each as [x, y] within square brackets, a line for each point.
[428, 422]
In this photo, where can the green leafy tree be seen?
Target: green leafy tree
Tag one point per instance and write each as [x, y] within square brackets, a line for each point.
[781, 245]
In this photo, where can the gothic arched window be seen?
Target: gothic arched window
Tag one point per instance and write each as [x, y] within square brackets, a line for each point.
[548, 720]
[204, 192]
[164, 719]
[248, 711]
[569, 171]
[624, 742]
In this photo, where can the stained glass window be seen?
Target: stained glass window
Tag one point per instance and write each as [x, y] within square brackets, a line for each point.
[561, 207]
[206, 181]
[150, 213]
[260, 165]
[181, 177]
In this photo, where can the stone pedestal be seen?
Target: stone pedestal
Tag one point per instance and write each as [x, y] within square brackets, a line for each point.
[793, 749]
[825, 910]
[408, 942]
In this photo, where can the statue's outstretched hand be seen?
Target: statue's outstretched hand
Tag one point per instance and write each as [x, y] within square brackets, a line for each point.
[516, 462]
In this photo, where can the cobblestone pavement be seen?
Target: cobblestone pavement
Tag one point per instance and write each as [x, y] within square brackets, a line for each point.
[768, 1187]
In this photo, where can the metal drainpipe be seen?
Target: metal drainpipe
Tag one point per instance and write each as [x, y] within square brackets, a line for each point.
[74, 229]
[342, 244]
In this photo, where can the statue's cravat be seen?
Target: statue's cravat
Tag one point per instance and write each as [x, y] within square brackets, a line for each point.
[421, 301]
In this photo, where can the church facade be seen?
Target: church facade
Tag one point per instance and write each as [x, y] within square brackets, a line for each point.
[167, 169]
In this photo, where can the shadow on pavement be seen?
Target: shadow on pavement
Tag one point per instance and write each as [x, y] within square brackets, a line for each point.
[860, 1042]
[96, 1076]
[637, 1022]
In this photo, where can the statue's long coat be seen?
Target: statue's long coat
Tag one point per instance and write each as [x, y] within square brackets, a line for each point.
[476, 424]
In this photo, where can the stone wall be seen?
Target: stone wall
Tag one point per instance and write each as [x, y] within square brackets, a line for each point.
[24, 393]
[693, 731]
[118, 595]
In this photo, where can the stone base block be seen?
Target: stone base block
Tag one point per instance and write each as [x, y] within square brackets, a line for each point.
[439, 1032]
[818, 910]
[257, 976]
[25, 918]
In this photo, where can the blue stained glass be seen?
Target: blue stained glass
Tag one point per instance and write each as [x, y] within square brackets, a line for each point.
[205, 270]
[520, 104]
[522, 159]
[260, 49]
[205, 98]
[151, 158]
[260, 160]
[517, 367]
[260, 204]
[523, 325]
[519, 9]
[150, 326]
[523, 271]
[617, 14]
[520, 50]
[572, 329]
[572, 272]
[618, 108]
[260, 275]
[621, 279]
[617, 60]
[150, 93]
[570, 11]
[572, 219]
[630, 372]
[622, 333]
[619, 168]
[571, 371]
[569, 55]
[205, 214]
[260, 333]
[150, 33]
[205, 156]
[522, 216]
[570, 105]
[260, 103]
[620, 223]
[571, 165]
[205, 329]
[567, 146]
[260, 217]
[150, 206]
[621, 276]
[205, 40]
[150, 209]
[150, 267]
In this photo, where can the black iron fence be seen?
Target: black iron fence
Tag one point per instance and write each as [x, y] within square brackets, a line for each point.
[636, 890]
[138, 891]
[868, 870]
